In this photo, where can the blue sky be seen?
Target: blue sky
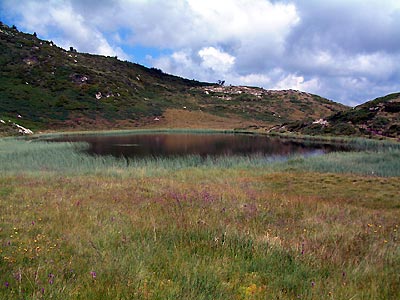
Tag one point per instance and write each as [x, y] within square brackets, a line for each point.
[345, 50]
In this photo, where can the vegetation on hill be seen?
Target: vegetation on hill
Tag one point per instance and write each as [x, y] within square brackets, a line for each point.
[43, 86]
[379, 117]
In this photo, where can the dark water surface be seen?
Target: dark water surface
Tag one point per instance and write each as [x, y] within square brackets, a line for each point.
[181, 144]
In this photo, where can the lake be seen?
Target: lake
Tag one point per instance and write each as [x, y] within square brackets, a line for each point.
[181, 144]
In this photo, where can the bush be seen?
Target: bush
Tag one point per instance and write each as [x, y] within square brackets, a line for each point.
[392, 107]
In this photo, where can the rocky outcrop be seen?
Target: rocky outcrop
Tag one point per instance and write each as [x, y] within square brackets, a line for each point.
[12, 128]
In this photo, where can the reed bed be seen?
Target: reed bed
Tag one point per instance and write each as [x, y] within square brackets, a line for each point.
[352, 143]
[372, 163]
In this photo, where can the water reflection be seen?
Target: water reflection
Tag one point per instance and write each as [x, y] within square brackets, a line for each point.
[167, 145]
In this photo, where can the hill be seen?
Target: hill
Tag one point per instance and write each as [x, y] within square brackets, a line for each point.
[43, 86]
[378, 117]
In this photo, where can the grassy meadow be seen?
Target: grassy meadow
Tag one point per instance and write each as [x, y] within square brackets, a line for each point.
[74, 226]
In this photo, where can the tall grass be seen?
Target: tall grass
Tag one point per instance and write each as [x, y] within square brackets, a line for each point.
[372, 163]
[198, 235]
[351, 143]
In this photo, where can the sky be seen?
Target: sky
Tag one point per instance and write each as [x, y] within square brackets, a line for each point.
[345, 50]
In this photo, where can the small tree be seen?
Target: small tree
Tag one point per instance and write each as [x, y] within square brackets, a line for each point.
[34, 34]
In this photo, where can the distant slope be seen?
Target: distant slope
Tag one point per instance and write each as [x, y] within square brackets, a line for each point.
[379, 117]
[270, 106]
[43, 86]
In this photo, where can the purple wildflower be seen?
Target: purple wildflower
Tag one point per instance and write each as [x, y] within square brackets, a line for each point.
[18, 276]
[42, 290]
[51, 278]
[207, 197]
[312, 283]
[93, 273]
[6, 284]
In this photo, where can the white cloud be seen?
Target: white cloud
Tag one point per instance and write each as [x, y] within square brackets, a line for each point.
[251, 79]
[216, 59]
[374, 65]
[295, 82]
[238, 20]
[191, 23]
[181, 63]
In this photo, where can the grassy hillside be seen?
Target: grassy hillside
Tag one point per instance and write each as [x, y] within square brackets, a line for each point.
[43, 86]
[379, 117]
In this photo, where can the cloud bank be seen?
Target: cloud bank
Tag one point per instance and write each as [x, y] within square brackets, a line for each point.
[346, 50]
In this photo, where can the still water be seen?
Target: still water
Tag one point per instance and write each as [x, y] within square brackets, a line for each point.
[169, 145]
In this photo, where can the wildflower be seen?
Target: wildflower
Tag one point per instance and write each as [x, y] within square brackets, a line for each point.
[6, 284]
[251, 289]
[51, 278]
[93, 273]
[18, 276]
[42, 290]
[312, 283]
